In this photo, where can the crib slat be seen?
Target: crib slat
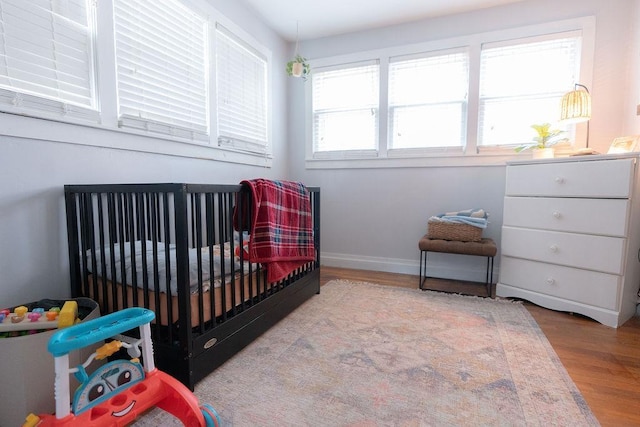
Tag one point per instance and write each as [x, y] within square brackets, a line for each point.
[211, 241]
[223, 289]
[167, 239]
[197, 231]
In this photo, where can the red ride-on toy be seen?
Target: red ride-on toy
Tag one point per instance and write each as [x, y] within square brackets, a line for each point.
[119, 391]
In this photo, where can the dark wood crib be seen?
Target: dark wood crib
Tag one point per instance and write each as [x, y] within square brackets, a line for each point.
[173, 248]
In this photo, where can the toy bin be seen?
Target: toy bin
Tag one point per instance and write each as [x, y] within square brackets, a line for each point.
[27, 368]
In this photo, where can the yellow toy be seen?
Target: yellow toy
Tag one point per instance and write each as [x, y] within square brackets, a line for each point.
[24, 320]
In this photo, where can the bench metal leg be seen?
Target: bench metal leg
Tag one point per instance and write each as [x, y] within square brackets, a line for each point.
[489, 279]
[488, 282]
[423, 269]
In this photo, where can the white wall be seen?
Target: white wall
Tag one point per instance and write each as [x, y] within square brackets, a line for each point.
[632, 124]
[33, 245]
[373, 218]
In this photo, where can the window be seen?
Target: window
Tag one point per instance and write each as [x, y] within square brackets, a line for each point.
[521, 83]
[241, 85]
[427, 100]
[135, 75]
[469, 100]
[161, 61]
[46, 58]
[345, 108]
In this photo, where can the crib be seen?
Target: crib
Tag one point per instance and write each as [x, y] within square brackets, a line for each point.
[174, 248]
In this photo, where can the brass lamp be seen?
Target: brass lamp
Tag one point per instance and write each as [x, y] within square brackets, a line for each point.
[576, 107]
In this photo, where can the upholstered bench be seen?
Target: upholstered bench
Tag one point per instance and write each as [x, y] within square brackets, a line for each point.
[485, 247]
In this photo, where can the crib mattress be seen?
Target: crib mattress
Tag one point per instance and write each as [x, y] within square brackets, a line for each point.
[153, 262]
[166, 308]
[150, 263]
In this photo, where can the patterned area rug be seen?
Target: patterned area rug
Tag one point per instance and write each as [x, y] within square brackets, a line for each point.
[361, 354]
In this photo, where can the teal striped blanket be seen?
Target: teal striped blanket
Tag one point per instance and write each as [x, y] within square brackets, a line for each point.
[475, 217]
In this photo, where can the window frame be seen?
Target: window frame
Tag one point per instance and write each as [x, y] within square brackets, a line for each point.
[237, 141]
[522, 42]
[135, 112]
[426, 150]
[105, 132]
[362, 152]
[16, 100]
[471, 154]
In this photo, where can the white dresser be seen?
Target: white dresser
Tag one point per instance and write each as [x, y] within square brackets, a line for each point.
[571, 235]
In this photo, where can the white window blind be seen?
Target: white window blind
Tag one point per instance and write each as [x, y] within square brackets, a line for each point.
[522, 83]
[47, 58]
[241, 86]
[161, 62]
[345, 108]
[427, 100]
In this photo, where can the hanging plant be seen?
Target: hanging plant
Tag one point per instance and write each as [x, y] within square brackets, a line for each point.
[299, 67]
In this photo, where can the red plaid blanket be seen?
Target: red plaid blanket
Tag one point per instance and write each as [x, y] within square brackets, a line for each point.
[281, 226]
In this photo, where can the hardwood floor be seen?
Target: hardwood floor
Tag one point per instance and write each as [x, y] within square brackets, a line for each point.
[603, 362]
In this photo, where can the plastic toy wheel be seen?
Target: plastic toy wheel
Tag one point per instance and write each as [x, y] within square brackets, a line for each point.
[210, 415]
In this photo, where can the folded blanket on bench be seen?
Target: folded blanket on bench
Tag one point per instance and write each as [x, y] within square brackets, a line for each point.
[473, 217]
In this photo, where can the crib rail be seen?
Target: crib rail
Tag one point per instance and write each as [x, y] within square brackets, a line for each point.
[174, 238]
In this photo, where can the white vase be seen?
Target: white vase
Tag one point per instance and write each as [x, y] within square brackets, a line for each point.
[543, 153]
[296, 69]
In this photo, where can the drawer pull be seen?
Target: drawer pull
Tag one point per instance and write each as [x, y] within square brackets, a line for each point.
[559, 180]
[553, 248]
[550, 281]
[557, 215]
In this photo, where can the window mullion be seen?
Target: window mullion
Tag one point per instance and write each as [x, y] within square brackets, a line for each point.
[473, 102]
[383, 115]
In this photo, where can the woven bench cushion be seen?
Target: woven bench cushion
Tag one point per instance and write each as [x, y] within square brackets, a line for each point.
[485, 247]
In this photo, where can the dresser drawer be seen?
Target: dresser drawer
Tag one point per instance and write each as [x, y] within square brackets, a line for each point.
[609, 178]
[592, 216]
[599, 253]
[583, 286]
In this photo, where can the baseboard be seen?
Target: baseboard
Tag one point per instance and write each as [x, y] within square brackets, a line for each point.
[458, 267]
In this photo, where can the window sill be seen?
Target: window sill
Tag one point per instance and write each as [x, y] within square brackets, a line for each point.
[492, 159]
[96, 135]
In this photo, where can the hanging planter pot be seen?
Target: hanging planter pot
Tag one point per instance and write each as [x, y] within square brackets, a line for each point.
[298, 67]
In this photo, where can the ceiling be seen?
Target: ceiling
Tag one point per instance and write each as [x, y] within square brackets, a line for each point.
[321, 18]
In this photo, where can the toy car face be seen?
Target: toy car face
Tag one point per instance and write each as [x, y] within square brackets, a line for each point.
[107, 381]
